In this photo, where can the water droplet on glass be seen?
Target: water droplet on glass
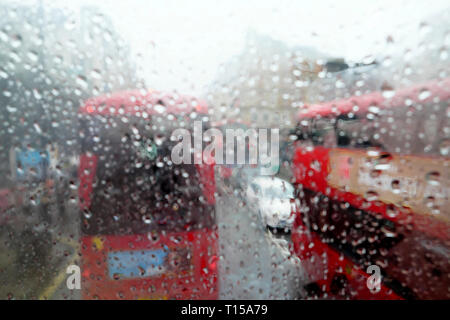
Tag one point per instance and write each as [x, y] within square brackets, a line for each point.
[371, 195]
[372, 152]
[429, 201]
[33, 56]
[87, 214]
[16, 40]
[392, 211]
[444, 147]
[11, 109]
[424, 94]
[395, 185]
[160, 108]
[374, 109]
[443, 54]
[3, 74]
[37, 128]
[147, 219]
[387, 91]
[36, 94]
[82, 82]
[375, 173]
[433, 178]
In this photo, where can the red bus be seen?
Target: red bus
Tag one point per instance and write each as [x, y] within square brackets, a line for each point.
[147, 225]
[372, 178]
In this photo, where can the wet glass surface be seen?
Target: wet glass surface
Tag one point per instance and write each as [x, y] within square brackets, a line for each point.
[166, 150]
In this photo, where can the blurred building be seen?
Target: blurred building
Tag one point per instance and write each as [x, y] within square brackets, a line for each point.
[266, 83]
[416, 54]
[52, 59]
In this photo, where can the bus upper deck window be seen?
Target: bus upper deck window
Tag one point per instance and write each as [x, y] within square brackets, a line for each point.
[323, 132]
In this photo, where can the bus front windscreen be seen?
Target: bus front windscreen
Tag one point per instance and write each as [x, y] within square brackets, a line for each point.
[136, 188]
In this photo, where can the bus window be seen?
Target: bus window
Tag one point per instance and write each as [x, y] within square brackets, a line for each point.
[426, 122]
[356, 132]
[318, 131]
[134, 163]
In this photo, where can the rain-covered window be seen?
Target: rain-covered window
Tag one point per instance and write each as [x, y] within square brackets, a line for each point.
[226, 150]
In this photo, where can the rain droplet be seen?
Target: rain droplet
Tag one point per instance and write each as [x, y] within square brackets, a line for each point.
[3, 36]
[33, 56]
[430, 201]
[147, 219]
[153, 236]
[11, 109]
[87, 214]
[96, 74]
[373, 152]
[141, 270]
[36, 94]
[82, 82]
[443, 55]
[139, 180]
[444, 147]
[371, 195]
[388, 93]
[3, 74]
[375, 173]
[388, 233]
[395, 185]
[392, 211]
[424, 28]
[340, 84]
[73, 185]
[433, 178]
[424, 94]
[315, 165]
[16, 40]
[160, 108]
[37, 128]
[374, 109]
[33, 201]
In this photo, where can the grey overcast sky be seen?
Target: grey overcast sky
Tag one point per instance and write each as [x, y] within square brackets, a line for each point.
[180, 44]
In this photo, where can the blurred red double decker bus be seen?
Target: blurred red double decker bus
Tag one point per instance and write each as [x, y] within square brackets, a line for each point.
[147, 225]
[372, 177]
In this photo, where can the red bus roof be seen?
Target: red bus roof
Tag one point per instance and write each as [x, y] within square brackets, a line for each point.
[424, 92]
[133, 102]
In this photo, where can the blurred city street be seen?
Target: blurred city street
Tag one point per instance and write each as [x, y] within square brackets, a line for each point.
[256, 150]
